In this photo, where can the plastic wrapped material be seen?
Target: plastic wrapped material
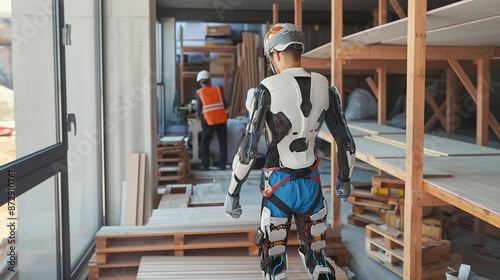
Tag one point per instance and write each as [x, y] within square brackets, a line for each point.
[361, 104]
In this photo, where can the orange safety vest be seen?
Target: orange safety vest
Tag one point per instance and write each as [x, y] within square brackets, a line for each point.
[213, 105]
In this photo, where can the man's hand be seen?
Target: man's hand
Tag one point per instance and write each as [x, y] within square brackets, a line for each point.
[343, 189]
[232, 206]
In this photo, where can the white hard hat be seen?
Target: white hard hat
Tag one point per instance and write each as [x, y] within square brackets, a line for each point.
[203, 75]
[282, 35]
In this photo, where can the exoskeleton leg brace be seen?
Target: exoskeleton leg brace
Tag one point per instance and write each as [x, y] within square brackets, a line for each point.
[311, 230]
[273, 235]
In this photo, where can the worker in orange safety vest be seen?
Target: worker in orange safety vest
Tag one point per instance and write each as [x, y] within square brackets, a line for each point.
[210, 103]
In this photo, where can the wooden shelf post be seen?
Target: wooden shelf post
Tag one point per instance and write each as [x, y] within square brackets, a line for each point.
[298, 12]
[382, 12]
[275, 13]
[336, 80]
[382, 95]
[451, 101]
[181, 68]
[417, 13]
[482, 127]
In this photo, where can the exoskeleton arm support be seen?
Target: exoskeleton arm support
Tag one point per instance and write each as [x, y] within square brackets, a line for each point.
[244, 159]
[337, 125]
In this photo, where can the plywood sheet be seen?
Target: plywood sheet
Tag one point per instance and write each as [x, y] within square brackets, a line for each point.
[429, 171]
[216, 267]
[132, 189]
[474, 186]
[371, 126]
[355, 132]
[443, 146]
[376, 149]
[203, 216]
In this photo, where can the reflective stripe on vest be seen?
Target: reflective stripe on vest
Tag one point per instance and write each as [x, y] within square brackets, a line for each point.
[213, 105]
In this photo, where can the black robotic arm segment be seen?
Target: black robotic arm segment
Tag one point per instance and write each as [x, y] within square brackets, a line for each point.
[256, 126]
[337, 125]
[247, 152]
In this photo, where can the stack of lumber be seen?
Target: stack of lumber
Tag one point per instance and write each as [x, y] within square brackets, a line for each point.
[193, 231]
[372, 202]
[249, 73]
[173, 160]
[385, 245]
[243, 268]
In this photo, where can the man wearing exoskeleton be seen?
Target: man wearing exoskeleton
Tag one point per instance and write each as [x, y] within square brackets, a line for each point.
[290, 108]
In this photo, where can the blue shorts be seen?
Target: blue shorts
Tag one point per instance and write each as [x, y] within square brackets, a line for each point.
[298, 194]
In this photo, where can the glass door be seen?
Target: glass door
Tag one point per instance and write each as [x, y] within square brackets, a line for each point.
[83, 86]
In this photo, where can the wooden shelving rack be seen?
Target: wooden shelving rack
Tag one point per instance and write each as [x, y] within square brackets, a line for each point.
[202, 49]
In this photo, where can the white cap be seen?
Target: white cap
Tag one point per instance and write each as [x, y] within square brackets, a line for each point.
[203, 75]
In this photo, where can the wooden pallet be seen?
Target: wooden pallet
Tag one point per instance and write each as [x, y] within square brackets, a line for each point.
[215, 268]
[390, 242]
[432, 271]
[188, 232]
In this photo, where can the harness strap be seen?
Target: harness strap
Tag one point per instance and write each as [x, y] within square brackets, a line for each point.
[295, 174]
[280, 204]
[316, 200]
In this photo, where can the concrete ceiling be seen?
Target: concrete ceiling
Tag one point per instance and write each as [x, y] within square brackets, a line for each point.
[285, 5]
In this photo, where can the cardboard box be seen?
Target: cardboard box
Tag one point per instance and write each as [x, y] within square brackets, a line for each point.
[226, 58]
[218, 30]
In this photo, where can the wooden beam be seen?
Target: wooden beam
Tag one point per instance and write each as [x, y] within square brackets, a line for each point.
[275, 13]
[483, 101]
[455, 65]
[497, 52]
[479, 232]
[430, 122]
[382, 95]
[451, 101]
[267, 26]
[312, 63]
[395, 5]
[435, 108]
[372, 86]
[400, 52]
[375, 17]
[181, 68]
[382, 12]
[298, 12]
[336, 80]
[417, 18]
[325, 63]
[483, 111]
[423, 198]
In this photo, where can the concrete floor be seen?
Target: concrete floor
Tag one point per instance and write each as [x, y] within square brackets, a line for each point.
[354, 237]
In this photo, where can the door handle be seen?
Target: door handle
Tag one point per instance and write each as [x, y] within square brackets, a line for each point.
[71, 119]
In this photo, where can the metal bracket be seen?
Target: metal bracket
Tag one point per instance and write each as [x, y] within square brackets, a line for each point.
[66, 35]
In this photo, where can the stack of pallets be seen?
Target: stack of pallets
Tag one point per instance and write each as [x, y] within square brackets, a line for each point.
[173, 160]
[371, 203]
[191, 231]
[385, 245]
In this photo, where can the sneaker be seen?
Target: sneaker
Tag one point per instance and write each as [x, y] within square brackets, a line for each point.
[203, 168]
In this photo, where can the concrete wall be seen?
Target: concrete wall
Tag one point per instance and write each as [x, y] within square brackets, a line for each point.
[168, 48]
[130, 96]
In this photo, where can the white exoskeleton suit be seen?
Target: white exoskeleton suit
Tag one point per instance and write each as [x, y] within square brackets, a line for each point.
[290, 108]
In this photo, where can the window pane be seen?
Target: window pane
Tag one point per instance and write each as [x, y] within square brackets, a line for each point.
[84, 147]
[27, 89]
[37, 232]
